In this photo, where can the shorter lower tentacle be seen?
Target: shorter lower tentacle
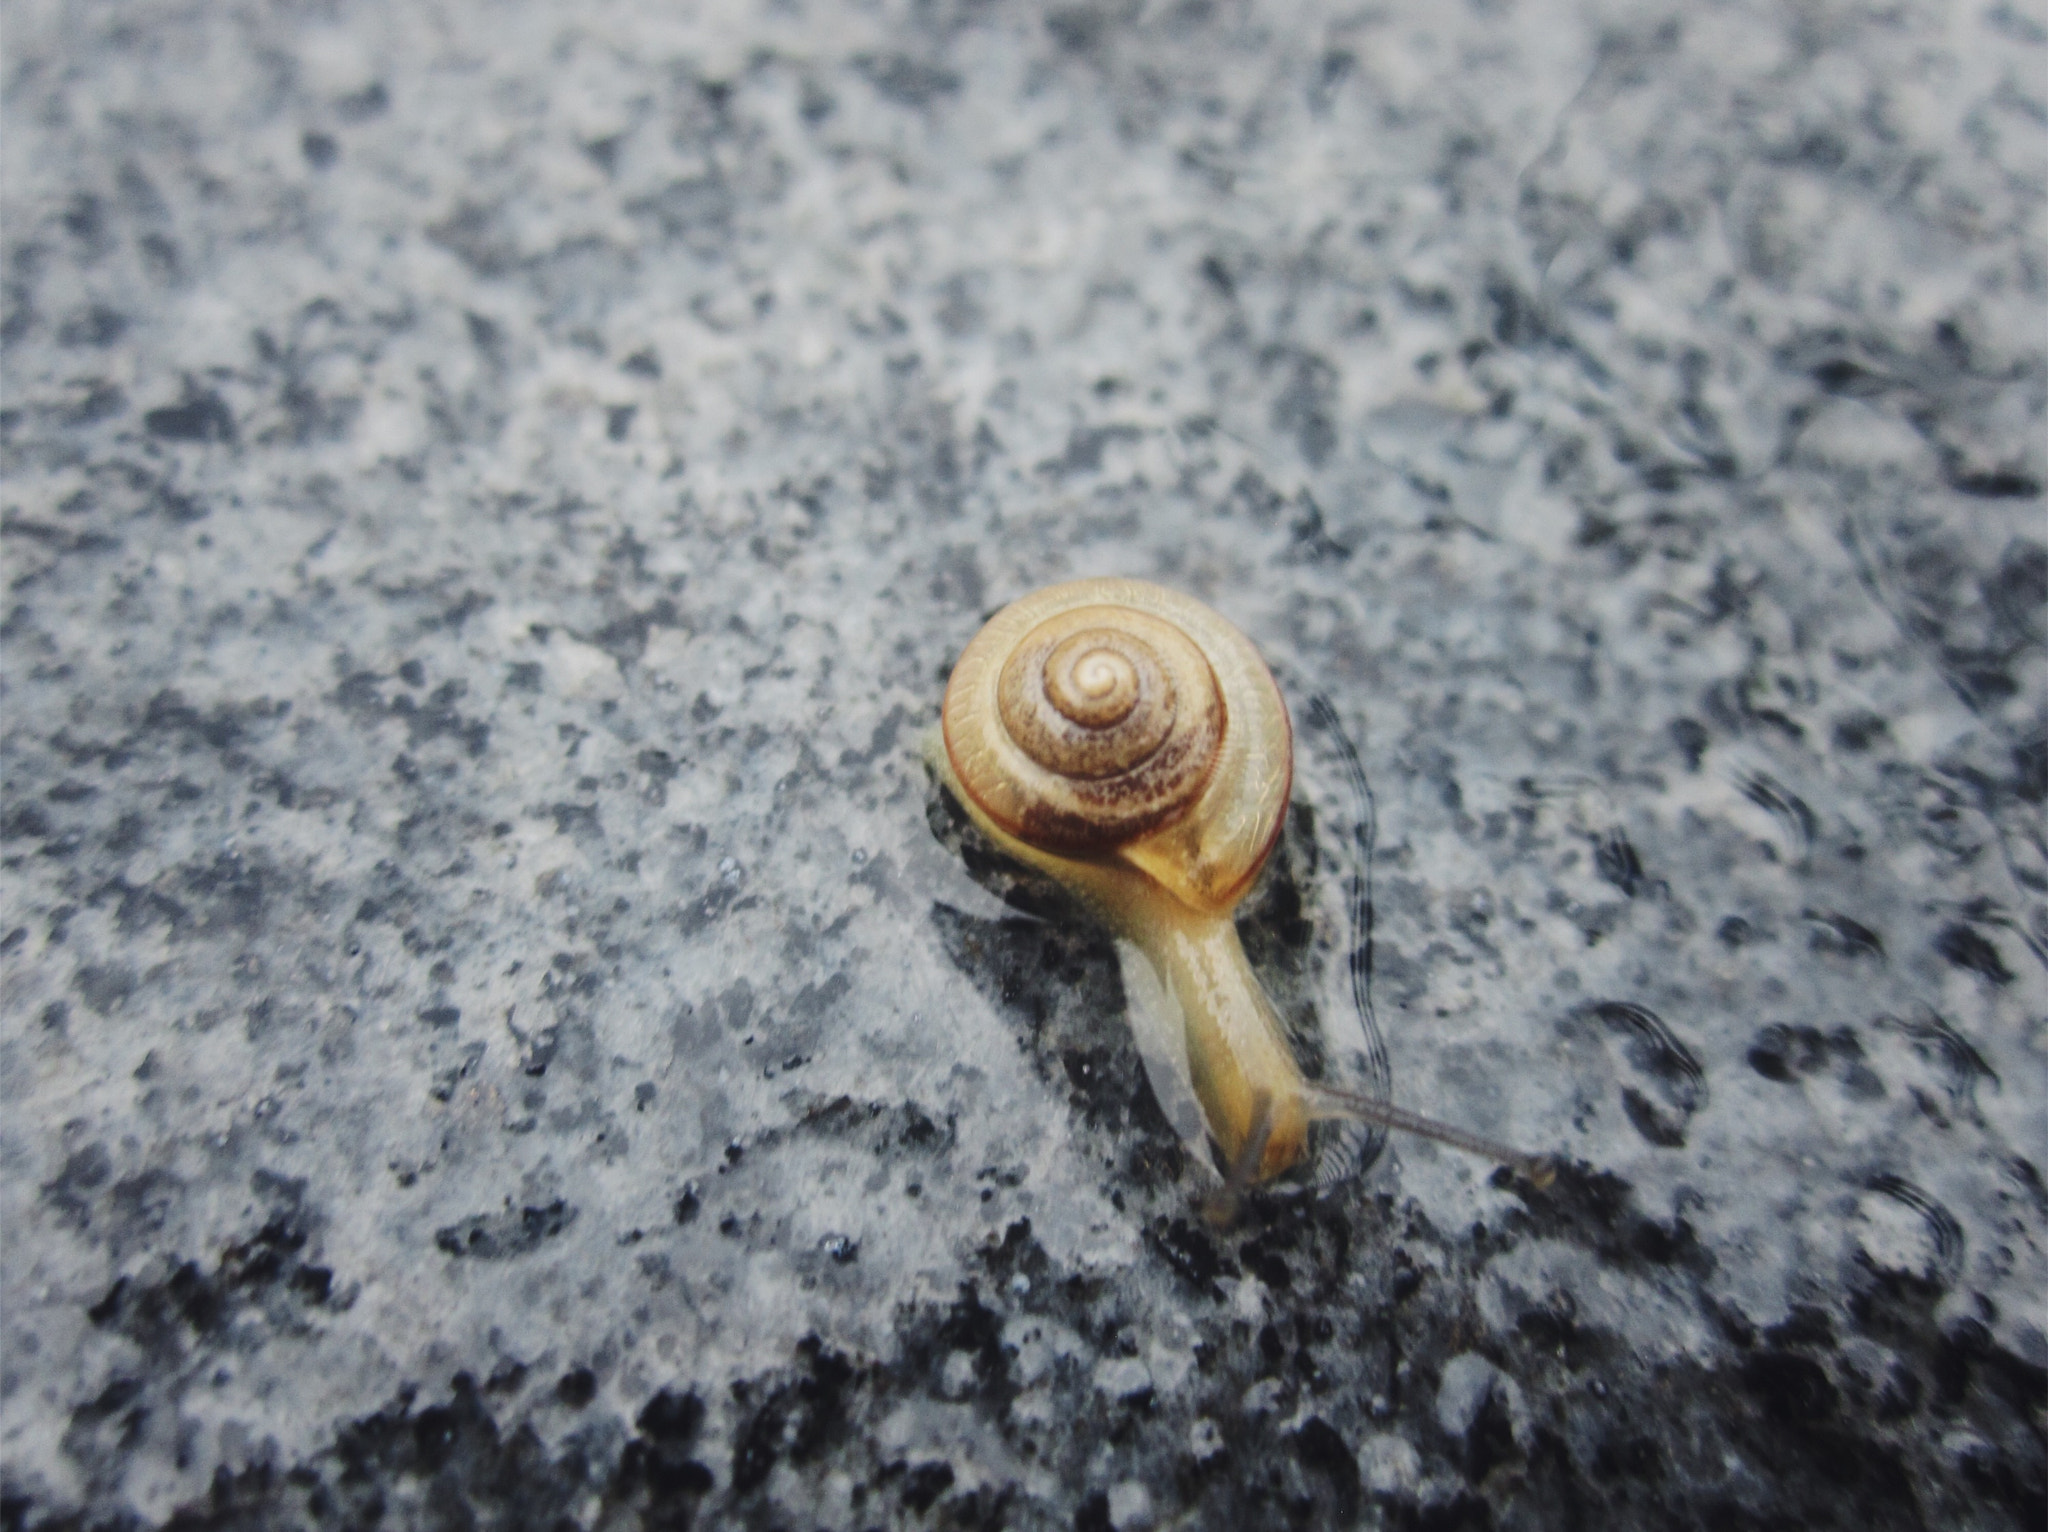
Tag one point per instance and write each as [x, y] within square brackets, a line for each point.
[1221, 1209]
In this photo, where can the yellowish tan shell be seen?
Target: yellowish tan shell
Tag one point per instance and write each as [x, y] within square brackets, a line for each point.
[1116, 716]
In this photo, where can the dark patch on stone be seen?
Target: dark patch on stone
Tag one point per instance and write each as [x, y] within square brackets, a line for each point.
[577, 820]
[484, 333]
[1490, 1439]
[1935, 1040]
[711, 907]
[71, 1193]
[477, 236]
[821, 1002]
[923, 1485]
[967, 1324]
[1995, 484]
[657, 1475]
[1083, 454]
[452, 617]
[882, 741]
[576, 1387]
[373, 100]
[225, 728]
[105, 987]
[94, 326]
[25, 821]
[1788, 1054]
[1970, 951]
[1860, 731]
[754, 1451]
[840, 1249]
[920, 1132]
[1251, 496]
[1191, 1253]
[505, 1235]
[1016, 1254]
[179, 1307]
[1596, 1209]
[2030, 770]
[1629, 1457]
[230, 893]
[881, 1127]
[1670, 1085]
[695, 212]
[203, 416]
[438, 718]
[625, 637]
[1518, 319]
[688, 1204]
[796, 1416]
[449, 1080]
[1615, 859]
[61, 539]
[92, 401]
[907, 81]
[1320, 1447]
[1843, 375]
[1217, 275]
[1309, 540]
[1837, 933]
[1307, 403]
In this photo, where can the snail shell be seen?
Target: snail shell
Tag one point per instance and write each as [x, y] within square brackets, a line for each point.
[1115, 715]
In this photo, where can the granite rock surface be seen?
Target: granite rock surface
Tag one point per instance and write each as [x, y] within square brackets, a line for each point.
[500, 1027]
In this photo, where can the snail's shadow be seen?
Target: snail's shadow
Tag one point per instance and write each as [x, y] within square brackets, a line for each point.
[1052, 971]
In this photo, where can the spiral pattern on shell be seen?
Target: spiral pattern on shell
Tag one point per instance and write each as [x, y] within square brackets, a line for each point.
[1117, 715]
[1112, 719]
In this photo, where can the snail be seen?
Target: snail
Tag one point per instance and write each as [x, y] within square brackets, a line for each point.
[1130, 743]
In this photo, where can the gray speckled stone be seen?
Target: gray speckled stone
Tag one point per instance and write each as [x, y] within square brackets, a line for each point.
[499, 1028]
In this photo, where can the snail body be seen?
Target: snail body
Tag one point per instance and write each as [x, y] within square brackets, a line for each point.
[1130, 743]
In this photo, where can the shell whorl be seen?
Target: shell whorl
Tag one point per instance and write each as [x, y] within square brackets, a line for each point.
[1118, 716]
